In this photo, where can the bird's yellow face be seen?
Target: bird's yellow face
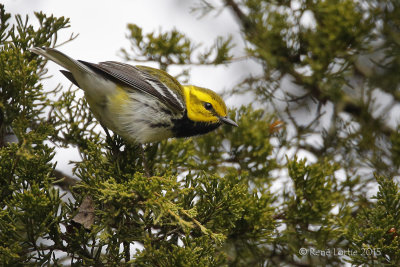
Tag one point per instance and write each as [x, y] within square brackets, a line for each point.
[203, 105]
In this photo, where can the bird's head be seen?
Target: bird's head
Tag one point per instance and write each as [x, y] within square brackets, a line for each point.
[204, 105]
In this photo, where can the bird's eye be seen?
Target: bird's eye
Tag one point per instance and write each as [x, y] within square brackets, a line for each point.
[208, 106]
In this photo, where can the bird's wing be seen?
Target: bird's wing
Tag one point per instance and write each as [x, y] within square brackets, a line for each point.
[144, 79]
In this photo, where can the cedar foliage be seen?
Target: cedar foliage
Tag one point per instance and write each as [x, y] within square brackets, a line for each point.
[209, 200]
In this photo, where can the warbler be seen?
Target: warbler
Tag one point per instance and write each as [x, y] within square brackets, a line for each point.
[142, 104]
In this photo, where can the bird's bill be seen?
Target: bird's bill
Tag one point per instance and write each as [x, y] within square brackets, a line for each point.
[228, 121]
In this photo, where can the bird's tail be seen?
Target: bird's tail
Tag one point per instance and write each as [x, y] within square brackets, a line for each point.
[61, 59]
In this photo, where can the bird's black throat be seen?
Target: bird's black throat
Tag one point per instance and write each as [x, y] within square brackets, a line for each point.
[184, 127]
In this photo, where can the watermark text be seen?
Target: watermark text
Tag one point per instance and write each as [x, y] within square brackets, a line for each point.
[339, 252]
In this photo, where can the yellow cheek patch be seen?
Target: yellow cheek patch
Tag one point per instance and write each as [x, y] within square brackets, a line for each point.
[195, 98]
[219, 107]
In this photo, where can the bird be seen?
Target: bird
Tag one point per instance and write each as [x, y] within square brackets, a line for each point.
[140, 103]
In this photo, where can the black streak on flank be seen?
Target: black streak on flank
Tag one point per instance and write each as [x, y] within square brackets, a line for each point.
[160, 125]
[166, 111]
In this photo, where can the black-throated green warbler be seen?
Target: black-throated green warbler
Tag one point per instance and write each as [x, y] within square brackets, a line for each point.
[142, 104]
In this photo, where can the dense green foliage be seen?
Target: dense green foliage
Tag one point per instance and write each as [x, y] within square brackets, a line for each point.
[210, 200]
